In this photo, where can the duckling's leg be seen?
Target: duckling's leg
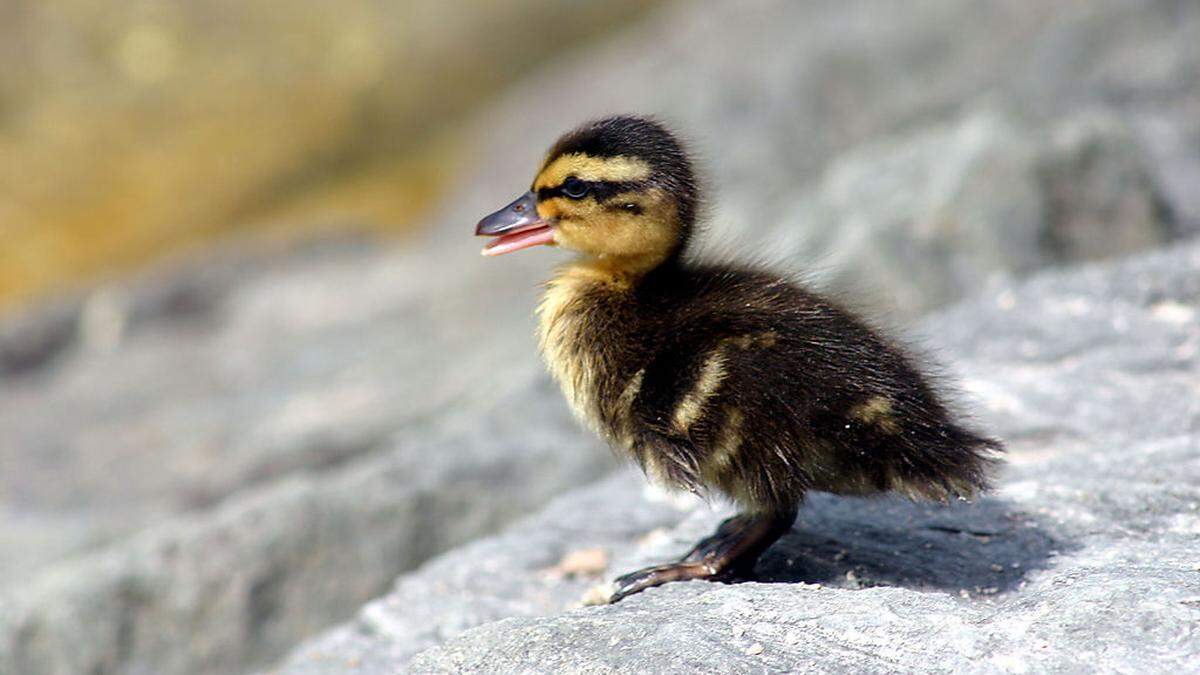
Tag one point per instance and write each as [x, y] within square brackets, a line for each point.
[729, 553]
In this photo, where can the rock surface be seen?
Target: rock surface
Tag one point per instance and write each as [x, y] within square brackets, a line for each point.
[930, 215]
[1084, 558]
[207, 464]
[273, 462]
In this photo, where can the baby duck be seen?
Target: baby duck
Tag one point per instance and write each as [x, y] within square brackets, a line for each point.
[716, 377]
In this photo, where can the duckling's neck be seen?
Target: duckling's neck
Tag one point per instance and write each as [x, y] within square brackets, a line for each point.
[625, 271]
[611, 274]
[590, 320]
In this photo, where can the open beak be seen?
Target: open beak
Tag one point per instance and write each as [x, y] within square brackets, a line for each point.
[515, 227]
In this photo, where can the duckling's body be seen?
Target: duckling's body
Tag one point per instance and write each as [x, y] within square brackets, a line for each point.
[716, 378]
[739, 381]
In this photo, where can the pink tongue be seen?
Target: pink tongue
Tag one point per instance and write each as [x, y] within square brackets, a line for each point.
[518, 240]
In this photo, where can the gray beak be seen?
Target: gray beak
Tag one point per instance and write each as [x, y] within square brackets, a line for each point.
[520, 214]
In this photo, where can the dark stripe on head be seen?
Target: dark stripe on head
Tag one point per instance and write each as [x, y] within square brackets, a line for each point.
[641, 138]
[601, 190]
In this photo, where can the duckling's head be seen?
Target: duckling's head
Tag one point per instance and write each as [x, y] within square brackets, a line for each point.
[620, 189]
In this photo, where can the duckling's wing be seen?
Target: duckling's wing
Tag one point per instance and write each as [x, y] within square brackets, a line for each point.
[688, 408]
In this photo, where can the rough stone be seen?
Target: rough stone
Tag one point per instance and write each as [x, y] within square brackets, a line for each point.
[1084, 558]
[241, 476]
[936, 214]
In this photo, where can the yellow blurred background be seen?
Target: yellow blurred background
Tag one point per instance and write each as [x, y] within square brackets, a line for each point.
[131, 129]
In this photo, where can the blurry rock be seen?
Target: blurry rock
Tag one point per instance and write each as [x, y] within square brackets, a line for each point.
[238, 585]
[1100, 199]
[933, 215]
[491, 579]
[928, 216]
[29, 341]
[1086, 553]
[582, 562]
[913, 152]
[199, 489]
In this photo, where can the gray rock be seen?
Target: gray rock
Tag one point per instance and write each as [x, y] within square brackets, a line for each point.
[243, 474]
[773, 92]
[1099, 197]
[235, 586]
[336, 397]
[1084, 558]
[512, 574]
[936, 214]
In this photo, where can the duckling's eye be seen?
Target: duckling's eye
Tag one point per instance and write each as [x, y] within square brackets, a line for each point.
[574, 188]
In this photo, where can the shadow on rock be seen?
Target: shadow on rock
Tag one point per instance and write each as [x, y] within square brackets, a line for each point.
[983, 548]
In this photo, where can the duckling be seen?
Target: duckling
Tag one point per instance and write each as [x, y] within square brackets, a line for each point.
[716, 378]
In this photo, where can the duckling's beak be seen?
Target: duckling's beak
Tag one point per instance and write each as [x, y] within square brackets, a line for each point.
[515, 227]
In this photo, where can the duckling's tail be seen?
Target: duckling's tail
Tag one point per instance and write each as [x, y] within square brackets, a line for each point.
[958, 464]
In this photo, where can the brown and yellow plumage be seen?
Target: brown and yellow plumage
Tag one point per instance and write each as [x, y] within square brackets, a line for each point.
[718, 378]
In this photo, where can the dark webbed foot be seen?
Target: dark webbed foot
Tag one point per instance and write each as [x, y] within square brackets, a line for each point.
[728, 554]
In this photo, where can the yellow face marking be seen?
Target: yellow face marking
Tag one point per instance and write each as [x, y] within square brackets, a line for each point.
[877, 411]
[630, 242]
[634, 240]
[588, 168]
[691, 406]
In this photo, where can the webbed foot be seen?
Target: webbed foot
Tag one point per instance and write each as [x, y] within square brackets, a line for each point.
[727, 555]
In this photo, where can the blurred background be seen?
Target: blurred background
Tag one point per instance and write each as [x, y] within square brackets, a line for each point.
[251, 364]
[131, 130]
